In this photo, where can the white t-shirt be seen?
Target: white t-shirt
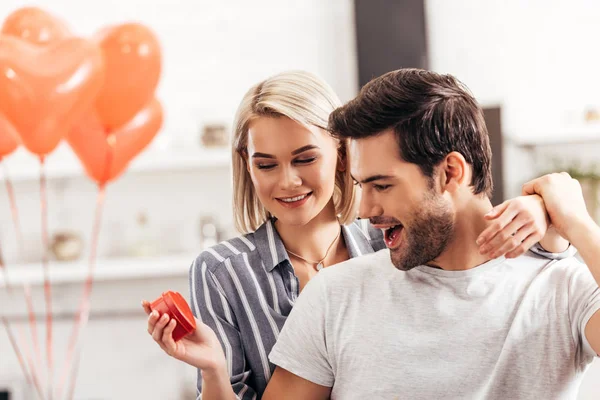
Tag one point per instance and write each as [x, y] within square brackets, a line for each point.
[507, 329]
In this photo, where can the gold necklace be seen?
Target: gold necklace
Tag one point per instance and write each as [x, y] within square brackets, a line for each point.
[319, 264]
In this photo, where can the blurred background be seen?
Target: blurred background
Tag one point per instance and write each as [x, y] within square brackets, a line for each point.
[534, 66]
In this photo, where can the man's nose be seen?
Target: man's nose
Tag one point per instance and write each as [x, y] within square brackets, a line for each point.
[368, 208]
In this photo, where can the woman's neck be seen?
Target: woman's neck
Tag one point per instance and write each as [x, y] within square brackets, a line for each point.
[312, 240]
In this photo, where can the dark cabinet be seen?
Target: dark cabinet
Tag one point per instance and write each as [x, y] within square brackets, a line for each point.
[390, 34]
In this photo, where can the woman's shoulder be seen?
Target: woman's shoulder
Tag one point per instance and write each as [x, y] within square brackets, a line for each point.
[218, 254]
[364, 227]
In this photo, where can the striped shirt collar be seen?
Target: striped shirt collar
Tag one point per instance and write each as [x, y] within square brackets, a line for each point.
[272, 251]
[270, 246]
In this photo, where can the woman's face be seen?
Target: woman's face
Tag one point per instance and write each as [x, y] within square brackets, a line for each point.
[292, 168]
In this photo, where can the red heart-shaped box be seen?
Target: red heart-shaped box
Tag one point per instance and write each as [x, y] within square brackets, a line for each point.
[173, 304]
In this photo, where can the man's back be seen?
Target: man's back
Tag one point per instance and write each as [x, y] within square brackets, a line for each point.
[506, 329]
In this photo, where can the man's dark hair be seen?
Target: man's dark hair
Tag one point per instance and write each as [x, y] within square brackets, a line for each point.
[431, 114]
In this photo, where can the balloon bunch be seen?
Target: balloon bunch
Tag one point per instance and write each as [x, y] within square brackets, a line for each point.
[97, 94]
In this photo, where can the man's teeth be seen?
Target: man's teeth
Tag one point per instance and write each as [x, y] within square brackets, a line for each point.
[292, 199]
[391, 228]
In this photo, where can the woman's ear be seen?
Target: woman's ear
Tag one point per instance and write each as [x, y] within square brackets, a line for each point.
[244, 154]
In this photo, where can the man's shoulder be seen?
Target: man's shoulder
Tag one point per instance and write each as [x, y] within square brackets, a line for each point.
[537, 261]
[556, 271]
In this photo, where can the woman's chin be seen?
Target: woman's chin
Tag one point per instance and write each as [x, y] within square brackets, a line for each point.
[295, 219]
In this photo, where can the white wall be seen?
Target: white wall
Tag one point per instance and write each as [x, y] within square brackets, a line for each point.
[539, 60]
[120, 360]
[213, 52]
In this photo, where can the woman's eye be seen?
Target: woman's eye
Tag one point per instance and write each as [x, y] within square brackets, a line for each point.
[306, 160]
[265, 166]
[381, 188]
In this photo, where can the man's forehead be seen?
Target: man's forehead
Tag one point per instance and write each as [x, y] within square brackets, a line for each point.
[357, 153]
[367, 159]
[364, 145]
[382, 145]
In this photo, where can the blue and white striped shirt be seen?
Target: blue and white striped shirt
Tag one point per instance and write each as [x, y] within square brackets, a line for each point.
[245, 288]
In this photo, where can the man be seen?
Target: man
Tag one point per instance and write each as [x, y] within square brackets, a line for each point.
[450, 320]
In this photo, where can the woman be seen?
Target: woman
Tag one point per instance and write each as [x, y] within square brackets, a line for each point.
[294, 198]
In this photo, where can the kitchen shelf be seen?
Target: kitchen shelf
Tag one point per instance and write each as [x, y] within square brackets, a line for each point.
[105, 270]
[62, 163]
[572, 135]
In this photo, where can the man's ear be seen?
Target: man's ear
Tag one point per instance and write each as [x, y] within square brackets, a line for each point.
[455, 172]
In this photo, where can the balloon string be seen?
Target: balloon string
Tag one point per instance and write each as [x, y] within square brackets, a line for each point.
[45, 267]
[21, 343]
[26, 288]
[16, 348]
[73, 379]
[111, 140]
[82, 316]
[32, 380]
[5, 272]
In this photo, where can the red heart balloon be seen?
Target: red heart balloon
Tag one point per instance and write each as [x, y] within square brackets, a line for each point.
[35, 25]
[45, 90]
[105, 155]
[132, 69]
[9, 138]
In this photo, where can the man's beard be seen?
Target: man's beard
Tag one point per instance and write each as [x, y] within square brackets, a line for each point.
[427, 235]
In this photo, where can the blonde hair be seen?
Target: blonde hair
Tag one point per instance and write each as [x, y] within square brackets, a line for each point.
[306, 99]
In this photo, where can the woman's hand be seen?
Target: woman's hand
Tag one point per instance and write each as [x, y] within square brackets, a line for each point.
[200, 348]
[517, 224]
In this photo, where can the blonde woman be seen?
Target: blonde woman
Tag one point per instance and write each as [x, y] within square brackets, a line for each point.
[294, 199]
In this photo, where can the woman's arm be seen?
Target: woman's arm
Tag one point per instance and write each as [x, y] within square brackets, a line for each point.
[552, 242]
[517, 225]
[201, 349]
[215, 348]
[227, 379]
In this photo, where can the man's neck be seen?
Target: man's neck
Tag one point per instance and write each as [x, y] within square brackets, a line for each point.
[462, 252]
[312, 240]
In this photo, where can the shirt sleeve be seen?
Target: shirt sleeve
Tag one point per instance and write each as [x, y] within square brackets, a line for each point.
[539, 250]
[210, 306]
[584, 301]
[302, 347]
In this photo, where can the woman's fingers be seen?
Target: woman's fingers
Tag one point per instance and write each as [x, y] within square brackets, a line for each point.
[152, 319]
[496, 211]
[167, 337]
[505, 237]
[159, 327]
[513, 243]
[146, 307]
[505, 213]
[523, 247]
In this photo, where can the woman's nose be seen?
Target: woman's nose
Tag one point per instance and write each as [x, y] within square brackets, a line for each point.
[289, 178]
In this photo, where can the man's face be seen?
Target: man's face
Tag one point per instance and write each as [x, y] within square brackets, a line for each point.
[417, 221]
